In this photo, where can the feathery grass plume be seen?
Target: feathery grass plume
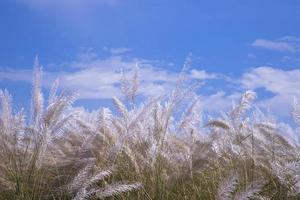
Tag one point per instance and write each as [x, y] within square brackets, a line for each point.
[104, 125]
[10, 128]
[53, 92]
[27, 149]
[15, 159]
[189, 125]
[129, 87]
[37, 97]
[127, 126]
[227, 187]
[218, 123]
[262, 198]
[52, 121]
[245, 103]
[114, 190]
[288, 174]
[68, 153]
[251, 191]
[190, 119]
[163, 114]
[104, 119]
[85, 184]
[121, 107]
[296, 111]
[6, 108]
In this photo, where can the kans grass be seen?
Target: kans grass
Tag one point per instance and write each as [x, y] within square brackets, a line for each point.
[144, 150]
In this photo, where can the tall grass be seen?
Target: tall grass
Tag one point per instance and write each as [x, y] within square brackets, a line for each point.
[144, 151]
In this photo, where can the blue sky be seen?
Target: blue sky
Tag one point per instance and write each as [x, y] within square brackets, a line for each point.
[235, 46]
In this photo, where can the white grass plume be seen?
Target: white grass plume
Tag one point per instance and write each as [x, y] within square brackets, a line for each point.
[296, 111]
[227, 187]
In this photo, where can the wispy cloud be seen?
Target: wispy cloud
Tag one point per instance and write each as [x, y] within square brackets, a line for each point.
[120, 50]
[69, 3]
[288, 44]
[203, 75]
[289, 39]
[219, 101]
[9, 74]
[94, 77]
[100, 78]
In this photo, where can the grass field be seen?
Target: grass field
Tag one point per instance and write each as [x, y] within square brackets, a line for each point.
[144, 150]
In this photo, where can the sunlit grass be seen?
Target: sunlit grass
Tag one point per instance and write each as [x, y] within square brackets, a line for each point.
[143, 151]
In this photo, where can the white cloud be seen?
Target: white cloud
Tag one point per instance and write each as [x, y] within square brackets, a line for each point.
[8, 74]
[280, 86]
[274, 80]
[112, 62]
[202, 75]
[24, 75]
[94, 77]
[283, 84]
[219, 101]
[99, 78]
[283, 44]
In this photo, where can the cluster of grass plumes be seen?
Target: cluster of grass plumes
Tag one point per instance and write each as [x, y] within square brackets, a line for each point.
[144, 151]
